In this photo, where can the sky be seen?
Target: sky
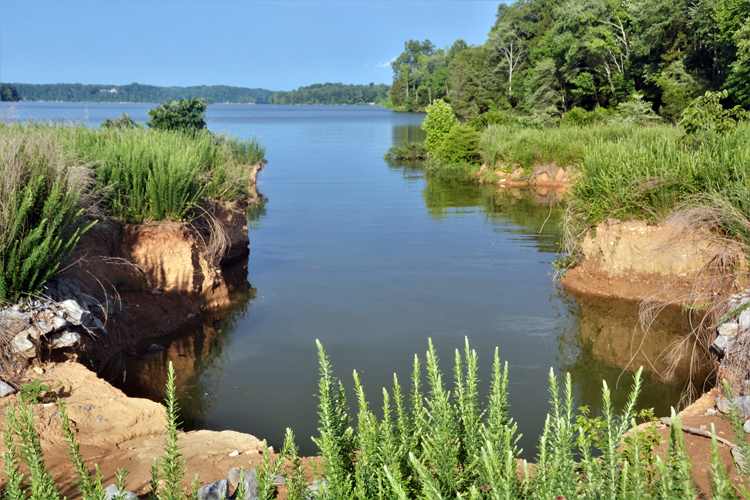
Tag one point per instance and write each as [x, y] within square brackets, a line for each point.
[275, 45]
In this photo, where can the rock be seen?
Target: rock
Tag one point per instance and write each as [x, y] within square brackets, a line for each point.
[155, 291]
[111, 492]
[234, 453]
[744, 320]
[156, 348]
[44, 327]
[67, 338]
[722, 344]
[5, 389]
[84, 298]
[32, 332]
[214, 491]
[738, 458]
[23, 346]
[743, 403]
[728, 329]
[251, 482]
[13, 322]
[75, 313]
[746, 426]
[97, 324]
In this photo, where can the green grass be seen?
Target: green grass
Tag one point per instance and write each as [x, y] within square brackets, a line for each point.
[49, 174]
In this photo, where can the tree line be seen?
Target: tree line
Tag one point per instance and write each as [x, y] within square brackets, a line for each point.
[135, 92]
[333, 93]
[328, 93]
[545, 57]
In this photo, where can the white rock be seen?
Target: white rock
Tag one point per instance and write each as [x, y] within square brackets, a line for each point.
[155, 292]
[234, 453]
[77, 315]
[729, 329]
[744, 320]
[746, 426]
[67, 338]
[23, 346]
[13, 321]
[5, 389]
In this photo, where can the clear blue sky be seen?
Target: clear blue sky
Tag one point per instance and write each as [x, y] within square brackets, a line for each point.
[273, 45]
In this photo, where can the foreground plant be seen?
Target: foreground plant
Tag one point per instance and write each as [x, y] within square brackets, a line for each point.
[447, 445]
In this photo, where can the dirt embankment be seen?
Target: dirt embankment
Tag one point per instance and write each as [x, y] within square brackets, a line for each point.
[542, 176]
[636, 261]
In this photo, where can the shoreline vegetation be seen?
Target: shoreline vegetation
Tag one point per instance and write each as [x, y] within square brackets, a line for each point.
[316, 94]
[60, 181]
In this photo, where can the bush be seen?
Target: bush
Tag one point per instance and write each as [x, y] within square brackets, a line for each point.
[492, 146]
[582, 118]
[450, 172]
[183, 115]
[438, 122]
[409, 151]
[122, 122]
[706, 114]
[495, 117]
[460, 145]
[40, 195]
[446, 444]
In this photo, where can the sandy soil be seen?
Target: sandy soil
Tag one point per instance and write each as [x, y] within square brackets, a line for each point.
[115, 431]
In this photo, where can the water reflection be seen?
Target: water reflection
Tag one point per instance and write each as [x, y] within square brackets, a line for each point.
[602, 340]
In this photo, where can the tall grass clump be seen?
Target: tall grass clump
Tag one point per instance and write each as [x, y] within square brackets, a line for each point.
[41, 195]
[443, 443]
[654, 172]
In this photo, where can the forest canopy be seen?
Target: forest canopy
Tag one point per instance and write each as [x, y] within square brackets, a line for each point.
[545, 57]
[333, 93]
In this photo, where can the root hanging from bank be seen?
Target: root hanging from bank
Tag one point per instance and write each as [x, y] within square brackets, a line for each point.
[707, 300]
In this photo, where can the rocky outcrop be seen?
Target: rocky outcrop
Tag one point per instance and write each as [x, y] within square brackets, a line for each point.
[56, 319]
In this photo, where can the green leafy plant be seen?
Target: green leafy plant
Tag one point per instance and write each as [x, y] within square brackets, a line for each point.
[183, 115]
[438, 122]
[125, 121]
[707, 114]
[460, 145]
[32, 392]
[409, 151]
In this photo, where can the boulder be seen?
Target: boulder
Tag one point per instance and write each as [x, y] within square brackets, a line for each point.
[76, 314]
[251, 482]
[742, 402]
[63, 339]
[728, 329]
[722, 344]
[744, 320]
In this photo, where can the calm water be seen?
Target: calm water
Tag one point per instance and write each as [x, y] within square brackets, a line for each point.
[374, 260]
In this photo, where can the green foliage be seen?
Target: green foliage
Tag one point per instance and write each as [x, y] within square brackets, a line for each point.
[495, 117]
[31, 392]
[172, 466]
[183, 115]
[9, 93]
[707, 114]
[448, 445]
[136, 92]
[582, 118]
[438, 122]
[460, 145]
[439, 170]
[409, 151]
[333, 93]
[122, 122]
[42, 193]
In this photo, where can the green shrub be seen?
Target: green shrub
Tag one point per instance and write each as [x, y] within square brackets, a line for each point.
[492, 145]
[445, 444]
[582, 118]
[438, 122]
[409, 151]
[460, 145]
[706, 114]
[122, 122]
[40, 202]
[442, 171]
[496, 117]
[183, 115]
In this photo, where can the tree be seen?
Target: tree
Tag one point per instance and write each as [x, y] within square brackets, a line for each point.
[183, 115]
[505, 41]
[438, 122]
[8, 92]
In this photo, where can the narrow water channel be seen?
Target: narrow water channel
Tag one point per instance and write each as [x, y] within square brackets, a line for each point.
[373, 260]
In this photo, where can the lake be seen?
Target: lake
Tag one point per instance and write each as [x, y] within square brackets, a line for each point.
[373, 260]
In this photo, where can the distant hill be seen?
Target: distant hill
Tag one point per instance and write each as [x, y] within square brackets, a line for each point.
[333, 93]
[135, 92]
[325, 93]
